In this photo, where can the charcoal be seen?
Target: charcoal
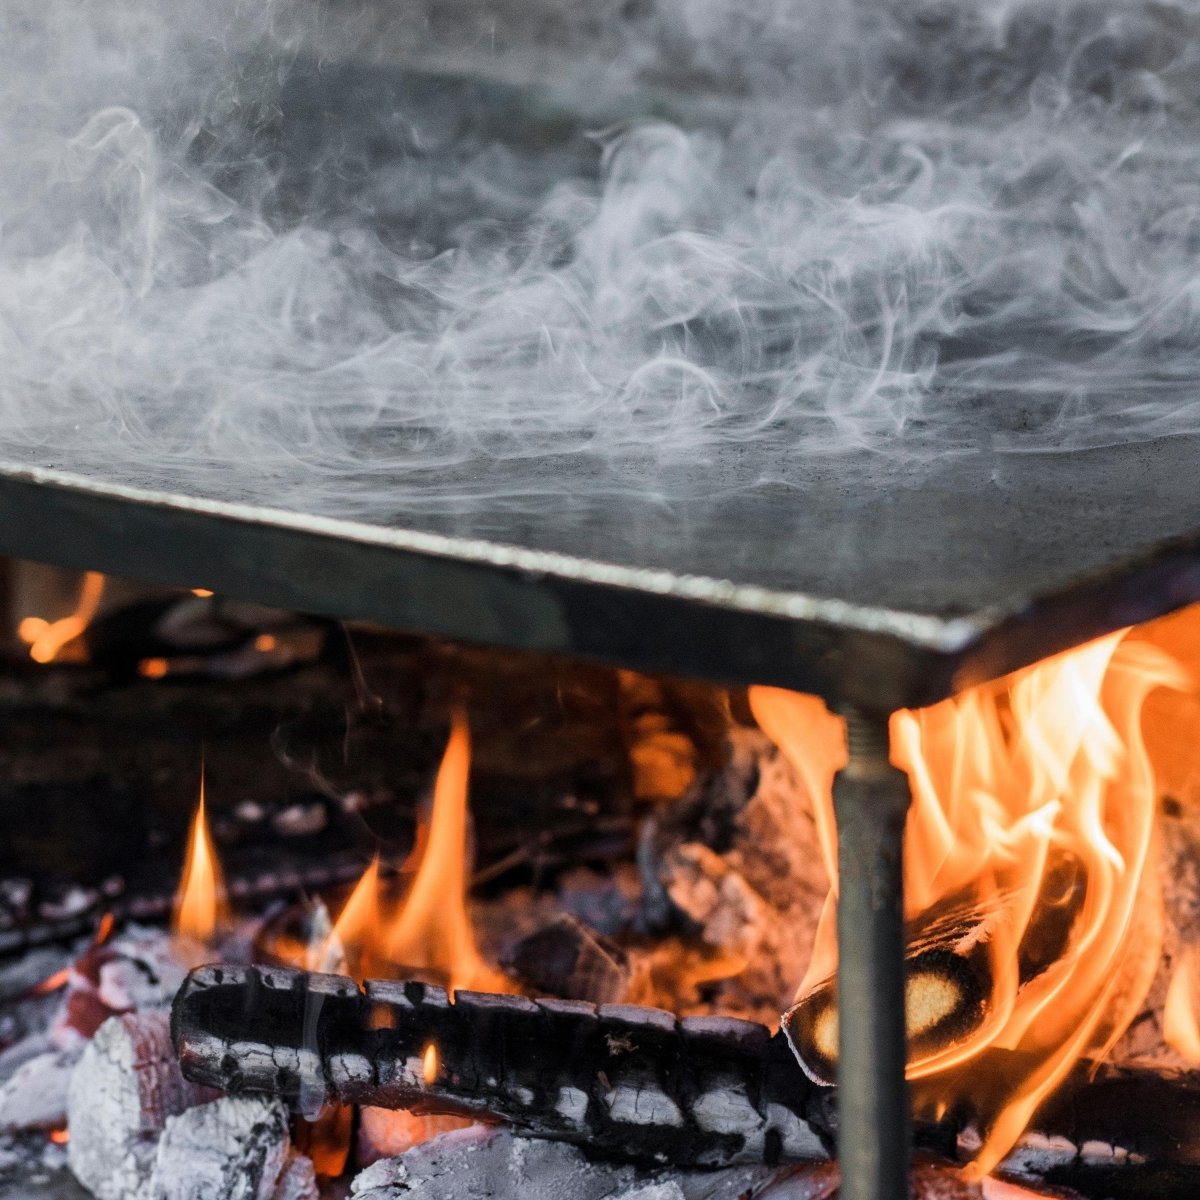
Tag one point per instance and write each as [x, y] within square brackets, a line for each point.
[125, 1086]
[388, 1132]
[566, 958]
[625, 1081]
[738, 862]
[505, 1166]
[34, 1096]
[234, 1148]
[297, 1180]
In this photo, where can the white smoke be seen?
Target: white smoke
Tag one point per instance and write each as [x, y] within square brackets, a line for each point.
[246, 252]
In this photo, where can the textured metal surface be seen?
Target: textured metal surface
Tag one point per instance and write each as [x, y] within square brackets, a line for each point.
[884, 600]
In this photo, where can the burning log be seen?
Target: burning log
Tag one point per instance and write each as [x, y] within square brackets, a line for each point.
[945, 998]
[124, 1090]
[949, 981]
[629, 1082]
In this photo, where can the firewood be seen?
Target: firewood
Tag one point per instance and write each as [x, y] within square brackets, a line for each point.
[502, 1165]
[566, 958]
[125, 1087]
[628, 1082]
[615, 1078]
[946, 1000]
[948, 971]
[235, 1148]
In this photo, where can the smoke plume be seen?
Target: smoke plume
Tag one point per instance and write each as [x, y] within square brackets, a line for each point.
[366, 259]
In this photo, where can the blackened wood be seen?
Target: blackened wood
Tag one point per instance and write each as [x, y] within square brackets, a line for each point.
[630, 1082]
[811, 1023]
[566, 958]
[313, 1037]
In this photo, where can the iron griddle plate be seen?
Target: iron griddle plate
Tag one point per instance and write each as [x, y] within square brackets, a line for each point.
[888, 594]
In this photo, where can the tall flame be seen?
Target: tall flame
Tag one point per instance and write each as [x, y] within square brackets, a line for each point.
[201, 905]
[429, 931]
[1010, 781]
[46, 639]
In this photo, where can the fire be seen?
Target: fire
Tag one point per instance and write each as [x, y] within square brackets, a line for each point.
[1181, 1029]
[1031, 824]
[430, 1064]
[46, 639]
[429, 932]
[201, 906]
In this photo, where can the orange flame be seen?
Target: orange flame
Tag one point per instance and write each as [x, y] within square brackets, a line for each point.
[46, 639]
[60, 1137]
[1181, 1029]
[1005, 779]
[430, 1064]
[201, 906]
[430, 931]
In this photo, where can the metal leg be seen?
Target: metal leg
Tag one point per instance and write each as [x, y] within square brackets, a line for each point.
[871, 800]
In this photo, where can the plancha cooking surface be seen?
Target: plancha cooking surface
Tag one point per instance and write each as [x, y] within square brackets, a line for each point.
[886, 577]
[887, 595]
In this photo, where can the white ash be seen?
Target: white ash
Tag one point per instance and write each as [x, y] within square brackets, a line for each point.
[500, 1165]
[20, 976]
[126, 1085]
[297, 1180]
[146, 969]
[34, 1096]
[234, 1148]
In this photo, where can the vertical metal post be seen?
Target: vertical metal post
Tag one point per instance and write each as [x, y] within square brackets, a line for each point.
[870, 799]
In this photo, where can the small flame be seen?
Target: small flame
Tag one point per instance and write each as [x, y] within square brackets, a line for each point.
[1016, 786]
[46, 639]
[201, 907]
[203, 593]
[1181, 1028]
[52, 983]
[153, 668]
[61, 977]
[60, 1137]
[430, 931]
[430, 1064]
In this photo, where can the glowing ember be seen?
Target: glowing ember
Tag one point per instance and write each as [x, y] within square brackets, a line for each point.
[52, 983]
[1031, 823]
[430, 1064]
[153, 668]
[201, 907]
[429, 932]
[203, 593]
[60, 1137]
[46, 639]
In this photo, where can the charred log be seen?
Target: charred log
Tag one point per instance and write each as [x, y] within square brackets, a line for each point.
[948, 972]
[635, 1083]
[628, 1082]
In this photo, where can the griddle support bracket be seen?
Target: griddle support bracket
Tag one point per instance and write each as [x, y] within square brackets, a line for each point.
[871, 799]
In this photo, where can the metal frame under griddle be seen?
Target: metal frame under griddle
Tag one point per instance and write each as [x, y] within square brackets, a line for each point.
[865, 662]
